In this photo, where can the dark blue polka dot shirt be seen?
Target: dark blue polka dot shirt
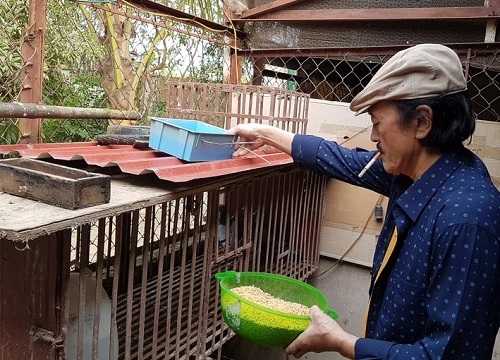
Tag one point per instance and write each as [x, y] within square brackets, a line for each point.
[440, 297]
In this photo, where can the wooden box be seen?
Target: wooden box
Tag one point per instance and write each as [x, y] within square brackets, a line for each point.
[53, 184]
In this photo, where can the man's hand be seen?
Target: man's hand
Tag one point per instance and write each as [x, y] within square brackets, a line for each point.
[253, 136]
[323, 334]
[249, 138]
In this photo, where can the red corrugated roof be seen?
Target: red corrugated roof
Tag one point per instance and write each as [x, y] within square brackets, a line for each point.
[144, 161]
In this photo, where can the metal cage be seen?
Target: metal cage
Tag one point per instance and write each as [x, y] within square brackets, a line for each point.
[157, 263]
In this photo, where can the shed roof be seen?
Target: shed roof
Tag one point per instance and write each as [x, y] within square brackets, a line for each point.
[134, 161]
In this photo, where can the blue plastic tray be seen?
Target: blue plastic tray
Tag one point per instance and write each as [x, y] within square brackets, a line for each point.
[191, 140]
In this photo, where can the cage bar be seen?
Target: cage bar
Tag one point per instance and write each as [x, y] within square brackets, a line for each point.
[157, 264]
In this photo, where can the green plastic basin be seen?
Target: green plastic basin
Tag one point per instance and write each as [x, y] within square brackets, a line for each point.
[260, 324]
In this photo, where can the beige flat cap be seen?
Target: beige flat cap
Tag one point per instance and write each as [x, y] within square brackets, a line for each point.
[418, 72]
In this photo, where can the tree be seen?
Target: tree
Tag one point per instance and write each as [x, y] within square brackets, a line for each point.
[135, 50]
[104, 58]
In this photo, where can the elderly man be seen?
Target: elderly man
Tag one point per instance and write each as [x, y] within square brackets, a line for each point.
[435, 289]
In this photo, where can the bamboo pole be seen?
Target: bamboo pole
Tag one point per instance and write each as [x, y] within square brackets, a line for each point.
[34, 111]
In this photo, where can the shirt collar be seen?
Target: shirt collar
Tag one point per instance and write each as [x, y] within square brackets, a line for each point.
[415, 198]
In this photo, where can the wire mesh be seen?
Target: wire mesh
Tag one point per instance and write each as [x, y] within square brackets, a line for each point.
[122, 57]
[104, 56]
[341, 77]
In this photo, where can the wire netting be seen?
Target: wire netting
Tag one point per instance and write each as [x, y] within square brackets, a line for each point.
[341, 77]
[119, 56]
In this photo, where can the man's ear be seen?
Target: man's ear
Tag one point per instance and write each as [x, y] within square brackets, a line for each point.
[424, 121]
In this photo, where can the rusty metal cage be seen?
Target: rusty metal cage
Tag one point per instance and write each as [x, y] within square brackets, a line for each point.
[136, 280]
[157, 263]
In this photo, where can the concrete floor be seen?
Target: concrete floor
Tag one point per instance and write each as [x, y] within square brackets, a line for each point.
[346, 288]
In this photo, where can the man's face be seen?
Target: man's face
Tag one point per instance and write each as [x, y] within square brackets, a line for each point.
[399, 147]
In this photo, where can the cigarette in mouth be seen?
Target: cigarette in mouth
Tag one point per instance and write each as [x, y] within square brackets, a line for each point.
[369, 165]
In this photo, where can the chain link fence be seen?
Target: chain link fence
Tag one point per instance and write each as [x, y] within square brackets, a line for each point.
[103, 56]
[117, 56]
[341, 77]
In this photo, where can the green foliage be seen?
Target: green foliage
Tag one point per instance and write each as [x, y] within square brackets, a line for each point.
[69, 76]
[13, 19]
[80, 91]
[158, 107]
[70, 57]
[9, 134]
[211, 10]
[209, 69]
[74, 54]
[74, 91]
[72, 130]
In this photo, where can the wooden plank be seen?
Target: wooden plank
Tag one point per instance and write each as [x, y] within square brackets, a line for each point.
[33, 314]
[269, 8]
[348, 245]
[128, 193]
[53, 184]
[33, 219]
[382, 14]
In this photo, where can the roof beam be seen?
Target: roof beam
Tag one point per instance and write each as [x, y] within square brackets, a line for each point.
[385, 14]
[460, 48]
[267, 8]
[174, 14]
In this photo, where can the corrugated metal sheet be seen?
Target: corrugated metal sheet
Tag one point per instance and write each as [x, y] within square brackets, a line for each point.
[145, 161]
